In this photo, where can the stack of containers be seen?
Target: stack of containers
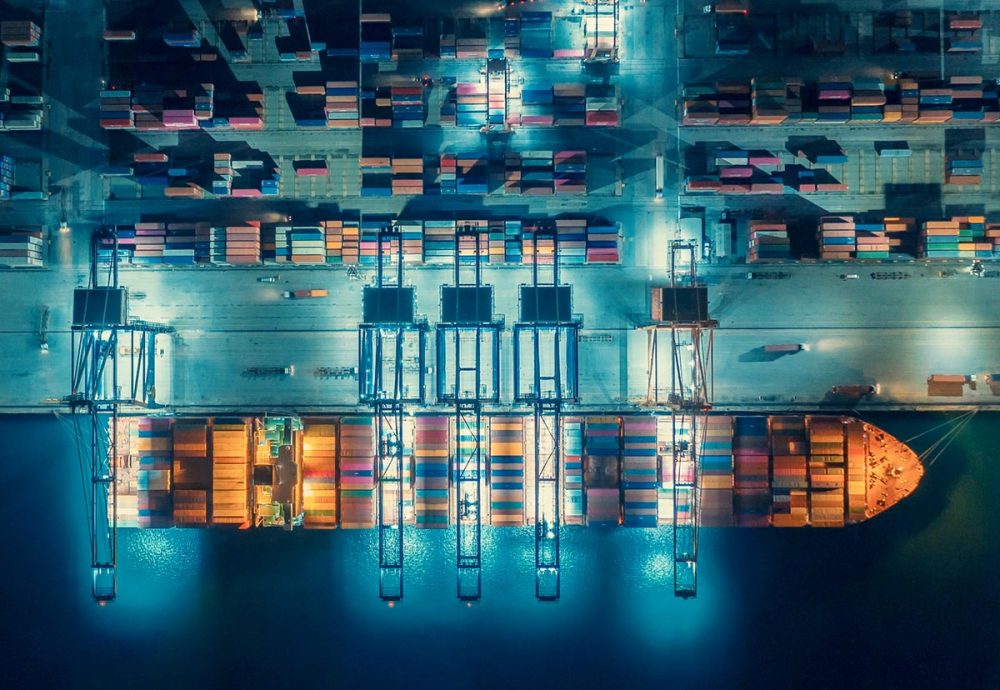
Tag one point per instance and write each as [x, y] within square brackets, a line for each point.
[664, 449]
[7, 170]
[319, 474]
[470, 43]
[472, 171]
[964, 169]
[20, 33]
[333, 241]
[192, 473]
[407, 42]
[542, 250]
[311, 168]
[164, 243]
[701, 105]
[570, 172]
[769, 242]
[449, 107]
[962, 237]
[153, 477]
[602, 106]
[827, 472]
[236, 245]
[407, 176]
[837, 237]
[411, 233]
[513, 250]
[572, 240]
[991, 237]
[512, 173]
[341, 105]
[376, 176]
[963, 34]
[973, 98]
[307, 245]
[357, 465]
[535, 107]
[774, 101]
[376, 37]
[407, 106]
[471, 108]
[116, 109]
[21, 248]
[497, 94]
[569, 105]
[369, 241]
[602, 243]
[901, 233]
[506, 471]
[734, 103]
[512, 38]
[935, 100]
[908, 109]
[439, 241]
[472, 248]
[573, 503]
[752, 499]
[376, 107]
[867, 100]
[430, 477]
[536, 35]
[834, 101]
[448, 175]
[717, 472]
[230, 472]
[789, 483]
[857, 471]
[447, 42]
[497, 247]
[536, 174]
[639, 481]
[602, 470]
[351, 243]
[872, 241]
[222, 170]
[126, 463]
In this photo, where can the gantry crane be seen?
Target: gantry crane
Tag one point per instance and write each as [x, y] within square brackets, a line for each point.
[546, 339]
[391, 376]
[113, 365]
[468, 376]
[680, 310]
[601, 29]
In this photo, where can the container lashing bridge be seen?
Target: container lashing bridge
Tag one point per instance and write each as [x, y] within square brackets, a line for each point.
[468, 376]
[391, 376]
[680, 313]
[113, 365]
[546, 377]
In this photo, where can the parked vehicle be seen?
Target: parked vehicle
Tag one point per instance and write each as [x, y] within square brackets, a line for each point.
[304, 294]
[784, 347]
[267, 279]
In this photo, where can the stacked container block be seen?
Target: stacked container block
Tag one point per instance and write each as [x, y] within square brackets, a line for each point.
[319, 474]
[602, 471]
[230, 472]
[192, 473]
[153, 479]
[357, 479]
[789, 481]
[507, 471]
[639, 465]
[827, 472]
[716, 471]
[751, 455]
[573, 501]
[430, 475]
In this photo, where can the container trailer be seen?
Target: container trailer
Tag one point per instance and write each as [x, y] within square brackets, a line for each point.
[304, 294]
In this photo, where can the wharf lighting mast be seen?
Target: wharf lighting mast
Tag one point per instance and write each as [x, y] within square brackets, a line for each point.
[468, 375]
[681, 309]
[112, 365]
[546, 339]
[391, 376]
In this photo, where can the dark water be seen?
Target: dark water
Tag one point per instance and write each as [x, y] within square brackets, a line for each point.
[907, 600]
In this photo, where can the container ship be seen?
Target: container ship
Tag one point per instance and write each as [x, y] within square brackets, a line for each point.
[319, 472]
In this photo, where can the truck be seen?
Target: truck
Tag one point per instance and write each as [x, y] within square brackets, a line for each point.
[304, 294]
[784, 347]
[660, 173]
[270, 371]
[951, 378]
[893, 149]
[856, 390]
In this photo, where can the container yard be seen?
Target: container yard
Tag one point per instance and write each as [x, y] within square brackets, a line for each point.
[498, 307]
